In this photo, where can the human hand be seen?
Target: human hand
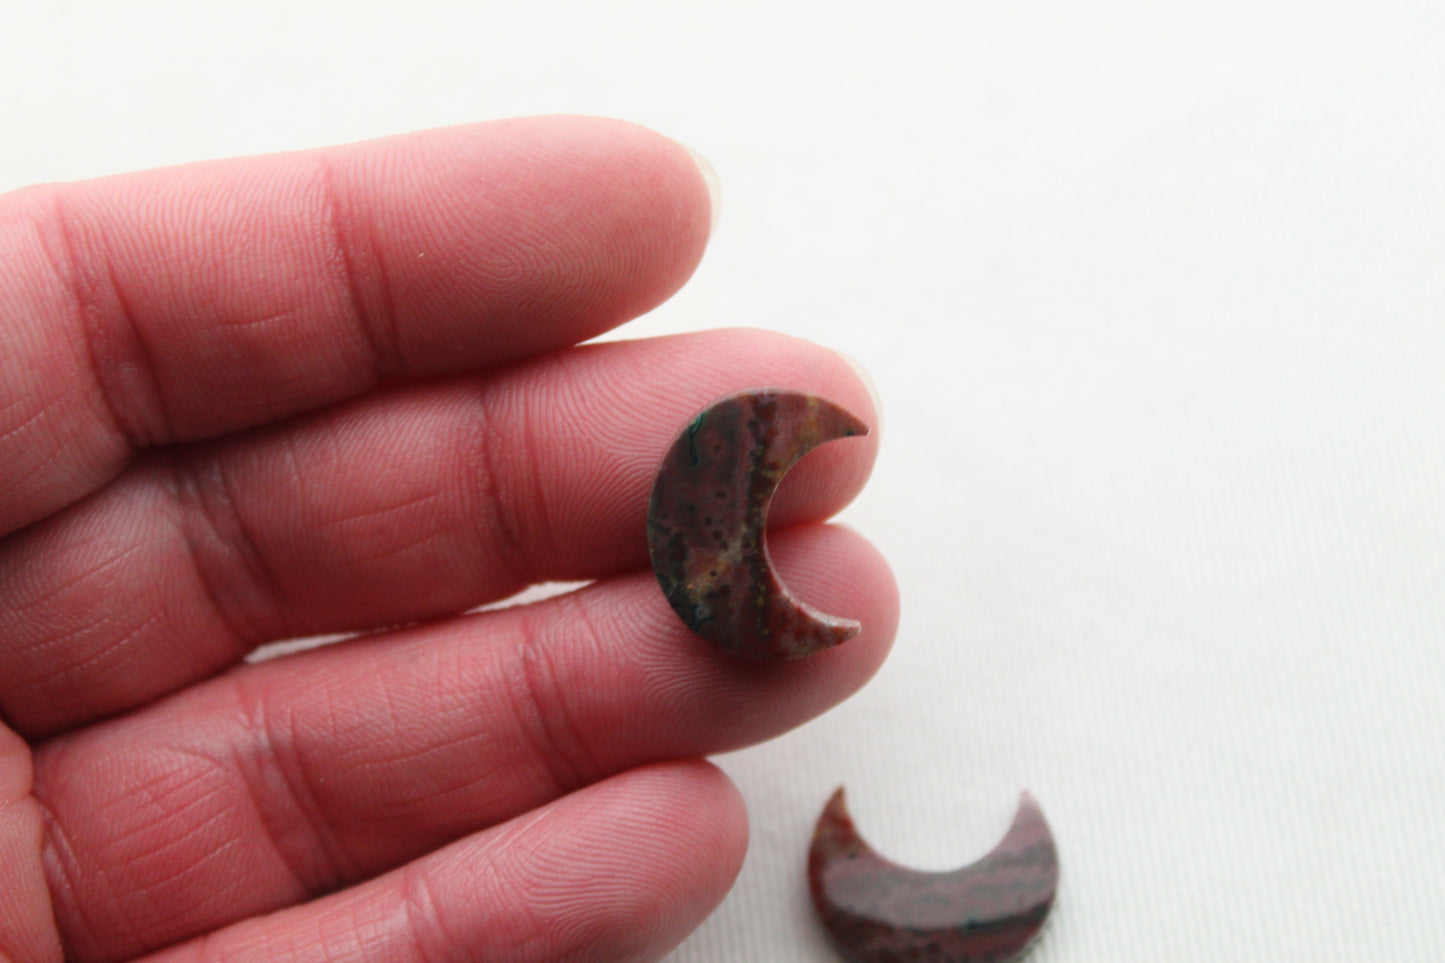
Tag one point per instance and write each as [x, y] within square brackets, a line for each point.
[337, 391]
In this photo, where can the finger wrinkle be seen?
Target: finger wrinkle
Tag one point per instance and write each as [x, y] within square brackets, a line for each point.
[410, 801]
[100, 549]
[499, 527]
[412, 751]
[540, 683]
[221, 548]
[354, 252]
[407, 526]
[113, 659]
[529, 680]
[529, 510]
[410, 770]
[32, 410]
[122, 364]
[389, 510]
[58, 437]
[97, 600]
[283, 794]
[163, 776]
[430, 937]
[408, 740]
[61, 871]
[131, 845]
[54, 652]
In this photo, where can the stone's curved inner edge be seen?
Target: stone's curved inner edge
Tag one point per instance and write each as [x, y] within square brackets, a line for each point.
[877, 911]
[707, 522]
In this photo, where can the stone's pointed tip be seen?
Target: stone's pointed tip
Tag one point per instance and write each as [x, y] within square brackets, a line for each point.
[868, 383]
[1029, 811]
[833, 818]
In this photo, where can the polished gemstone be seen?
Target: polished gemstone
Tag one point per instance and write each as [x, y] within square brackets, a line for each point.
[706, 522]
[880, 912]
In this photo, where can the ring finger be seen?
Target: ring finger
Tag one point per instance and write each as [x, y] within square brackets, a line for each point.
[297, 776]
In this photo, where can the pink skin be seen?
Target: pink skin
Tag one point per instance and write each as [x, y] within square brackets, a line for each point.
[336, 391]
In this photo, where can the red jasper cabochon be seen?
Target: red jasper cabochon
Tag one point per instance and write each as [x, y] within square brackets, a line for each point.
[880, 912]
[708, 514]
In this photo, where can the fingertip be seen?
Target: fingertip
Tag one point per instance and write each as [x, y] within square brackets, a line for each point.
[668, 191]
[714, 187]
[715, 818]
[611, 216]
[667, 843]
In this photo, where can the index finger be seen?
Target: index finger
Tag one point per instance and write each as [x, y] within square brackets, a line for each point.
[184, 303]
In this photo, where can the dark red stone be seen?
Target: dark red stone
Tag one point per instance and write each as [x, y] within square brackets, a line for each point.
[880, 912]
[707, 518]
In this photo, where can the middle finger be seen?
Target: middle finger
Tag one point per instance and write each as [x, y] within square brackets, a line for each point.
[413, 503]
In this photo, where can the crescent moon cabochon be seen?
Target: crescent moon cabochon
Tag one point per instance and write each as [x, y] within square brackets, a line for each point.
[707, 518]
[879, 912]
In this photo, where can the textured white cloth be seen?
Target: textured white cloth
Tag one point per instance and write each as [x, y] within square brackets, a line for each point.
[1153, 296]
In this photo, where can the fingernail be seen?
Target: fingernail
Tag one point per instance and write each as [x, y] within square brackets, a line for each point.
[868, 383]
[714, 186]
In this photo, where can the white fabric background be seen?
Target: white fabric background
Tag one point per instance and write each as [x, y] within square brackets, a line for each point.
[1153, 297]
